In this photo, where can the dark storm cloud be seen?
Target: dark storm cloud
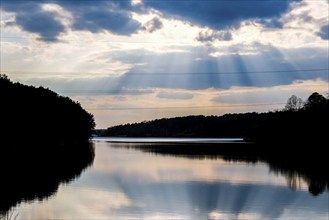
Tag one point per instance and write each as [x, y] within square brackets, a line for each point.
[222, 14]
[94, 16]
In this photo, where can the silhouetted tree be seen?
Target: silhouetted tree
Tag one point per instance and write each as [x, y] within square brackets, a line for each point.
[294, 104]
[315, 102]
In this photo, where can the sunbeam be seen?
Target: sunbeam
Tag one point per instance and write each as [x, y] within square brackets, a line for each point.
[189, 109]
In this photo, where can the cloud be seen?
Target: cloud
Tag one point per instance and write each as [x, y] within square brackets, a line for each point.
[93, 16]
[153, 25]
[32, 18]
[307, 17]
[99, 86]
[103, 16]
[174, 95]
[105, 92]
[324, 32]
[203, 196]
[209, 36]
[262, 69]
[276, 94]
[222, 14]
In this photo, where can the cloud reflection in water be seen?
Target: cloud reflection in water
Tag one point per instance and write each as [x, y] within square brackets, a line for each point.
[130, 184]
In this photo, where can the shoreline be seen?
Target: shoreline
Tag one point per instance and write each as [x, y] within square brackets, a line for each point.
[169, 140]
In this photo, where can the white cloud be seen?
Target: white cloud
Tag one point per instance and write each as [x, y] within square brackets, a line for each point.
[61, 15]
[218, 215]
[301, 26]
[136, 2]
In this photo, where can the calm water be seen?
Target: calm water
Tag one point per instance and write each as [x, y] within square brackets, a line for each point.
[127, 183]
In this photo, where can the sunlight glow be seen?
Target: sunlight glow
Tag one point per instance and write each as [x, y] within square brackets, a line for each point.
[152, 57]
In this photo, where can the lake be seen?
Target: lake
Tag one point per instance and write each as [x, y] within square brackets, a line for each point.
[131, 181]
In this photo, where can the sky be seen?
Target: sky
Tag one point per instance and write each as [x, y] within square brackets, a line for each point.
[128, 61]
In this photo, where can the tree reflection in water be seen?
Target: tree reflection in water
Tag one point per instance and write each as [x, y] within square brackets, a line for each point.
[36, 172]
[296, 167]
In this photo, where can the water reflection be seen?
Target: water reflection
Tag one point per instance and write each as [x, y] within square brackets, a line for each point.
[296, 168]
[157, 186]
[127, 183]
[30, 175]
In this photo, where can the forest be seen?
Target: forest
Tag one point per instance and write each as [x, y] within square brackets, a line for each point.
[35, 115]
[43, 142]
[299, 122]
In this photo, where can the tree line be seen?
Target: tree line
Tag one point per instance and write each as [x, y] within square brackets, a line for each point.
[34, 115]
[297, 122]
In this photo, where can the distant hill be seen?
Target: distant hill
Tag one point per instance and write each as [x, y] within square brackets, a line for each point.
[34, 115]
[229, 125]
[297, 123]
